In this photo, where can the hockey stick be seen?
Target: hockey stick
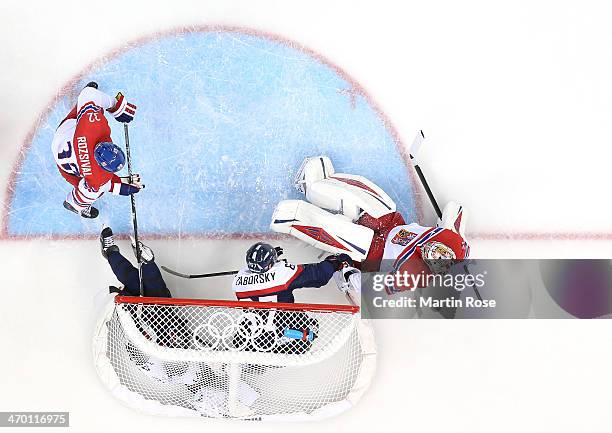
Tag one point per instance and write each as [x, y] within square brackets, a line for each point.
[212, 274]
[414, 149]
[133, 202]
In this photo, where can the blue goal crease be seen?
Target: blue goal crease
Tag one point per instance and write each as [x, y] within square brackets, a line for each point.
[223, 123]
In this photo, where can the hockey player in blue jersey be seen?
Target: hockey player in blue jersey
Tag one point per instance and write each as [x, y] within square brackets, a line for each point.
[152, 280]
[268, 279]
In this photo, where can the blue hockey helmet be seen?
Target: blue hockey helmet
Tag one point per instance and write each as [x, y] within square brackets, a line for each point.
[261, 257]
[109, 156]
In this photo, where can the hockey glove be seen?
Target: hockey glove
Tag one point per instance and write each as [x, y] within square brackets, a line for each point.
[127, 189]
[339, 260]
[134, 179]
[123, 111]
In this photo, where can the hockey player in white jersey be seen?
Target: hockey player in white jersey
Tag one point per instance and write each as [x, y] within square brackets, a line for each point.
[349, 214]
[268, 279]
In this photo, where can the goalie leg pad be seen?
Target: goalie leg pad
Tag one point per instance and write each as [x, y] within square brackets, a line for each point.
[350, 195]
[312, 170]
[321, 229]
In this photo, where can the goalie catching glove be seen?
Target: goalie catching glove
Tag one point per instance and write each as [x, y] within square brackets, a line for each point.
[348, 279]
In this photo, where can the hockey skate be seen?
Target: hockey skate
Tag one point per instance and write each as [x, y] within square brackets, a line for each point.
[89, 212]
[146, 253]
[107, 242]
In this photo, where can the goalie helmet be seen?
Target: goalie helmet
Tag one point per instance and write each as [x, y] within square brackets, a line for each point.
[438, 256]
[261, 257]
[109, 156]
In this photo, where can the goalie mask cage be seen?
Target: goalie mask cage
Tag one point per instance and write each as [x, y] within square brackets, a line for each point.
[234, 359]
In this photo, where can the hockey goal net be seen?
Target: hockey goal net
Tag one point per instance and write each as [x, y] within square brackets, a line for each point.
[230, 359]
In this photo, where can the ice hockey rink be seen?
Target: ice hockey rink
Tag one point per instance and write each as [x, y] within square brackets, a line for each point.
[515, 100]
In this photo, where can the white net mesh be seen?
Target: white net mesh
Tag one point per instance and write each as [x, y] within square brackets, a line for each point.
[234, 359]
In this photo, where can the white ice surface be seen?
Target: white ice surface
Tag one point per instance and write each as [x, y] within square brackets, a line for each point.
[516, 101]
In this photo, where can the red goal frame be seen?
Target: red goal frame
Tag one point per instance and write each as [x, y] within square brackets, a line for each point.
[331, 308]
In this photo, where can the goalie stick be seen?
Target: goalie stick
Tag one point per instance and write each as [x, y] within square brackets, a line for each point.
[414, 150]
[212, 274]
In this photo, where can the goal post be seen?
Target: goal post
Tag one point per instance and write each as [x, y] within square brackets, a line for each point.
[234, 359]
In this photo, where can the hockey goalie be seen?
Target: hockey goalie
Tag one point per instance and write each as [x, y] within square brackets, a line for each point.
[347, 213]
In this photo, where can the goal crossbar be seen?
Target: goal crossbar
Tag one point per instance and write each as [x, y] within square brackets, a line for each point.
[238, 304]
